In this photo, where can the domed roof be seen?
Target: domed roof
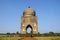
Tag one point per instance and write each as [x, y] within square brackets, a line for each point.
[29, 11]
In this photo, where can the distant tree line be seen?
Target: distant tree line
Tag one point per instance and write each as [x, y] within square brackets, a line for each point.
[49, 34]
[13, 33]
[39, 34]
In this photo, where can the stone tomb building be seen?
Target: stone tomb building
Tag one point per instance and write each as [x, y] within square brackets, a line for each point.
[29, 19]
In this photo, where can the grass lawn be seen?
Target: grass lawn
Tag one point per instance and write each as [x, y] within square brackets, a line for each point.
[39, 38]
[10, 38]
[48, 38]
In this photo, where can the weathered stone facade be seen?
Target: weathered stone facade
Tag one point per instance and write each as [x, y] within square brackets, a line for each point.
[29, 19]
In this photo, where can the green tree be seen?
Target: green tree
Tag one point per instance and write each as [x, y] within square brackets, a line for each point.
[51, 33]
[30, 32]
[39, 33]
[8, 33]
[17, 32]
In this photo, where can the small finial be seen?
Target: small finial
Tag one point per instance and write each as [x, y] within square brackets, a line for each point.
[29, 7]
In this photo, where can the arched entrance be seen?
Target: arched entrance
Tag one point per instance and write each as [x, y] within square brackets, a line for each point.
[29, 29]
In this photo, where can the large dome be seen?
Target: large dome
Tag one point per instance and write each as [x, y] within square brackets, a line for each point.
[29, 11]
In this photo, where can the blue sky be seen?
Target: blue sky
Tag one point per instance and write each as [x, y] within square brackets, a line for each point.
[47, 11]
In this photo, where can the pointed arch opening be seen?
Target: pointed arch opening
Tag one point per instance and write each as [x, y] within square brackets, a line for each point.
[29, 29]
